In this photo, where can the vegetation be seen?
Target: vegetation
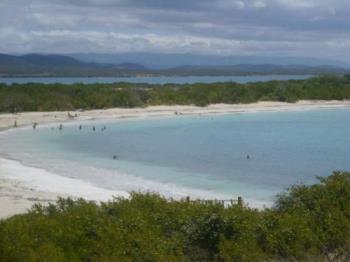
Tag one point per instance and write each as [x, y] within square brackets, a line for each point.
[51, 97]
[307, 223]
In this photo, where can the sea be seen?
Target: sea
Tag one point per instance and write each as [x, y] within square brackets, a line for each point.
[149, 79]
[255, 155]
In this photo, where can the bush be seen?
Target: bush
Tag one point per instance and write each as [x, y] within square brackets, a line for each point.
[51, 97]
[307, 223]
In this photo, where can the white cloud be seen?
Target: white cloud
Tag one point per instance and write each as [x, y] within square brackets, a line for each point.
[300, 3]
[259, 4]
[66, 41]
[295, 27]
[240, 4]
[58, 21]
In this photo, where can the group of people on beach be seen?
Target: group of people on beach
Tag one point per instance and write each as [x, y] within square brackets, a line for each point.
[60, 127]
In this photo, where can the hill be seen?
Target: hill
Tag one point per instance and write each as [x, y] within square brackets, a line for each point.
[255, 69]
[166, 61]
[62, 65]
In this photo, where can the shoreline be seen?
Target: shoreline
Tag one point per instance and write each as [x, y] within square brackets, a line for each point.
[28, 118]
[17, 196]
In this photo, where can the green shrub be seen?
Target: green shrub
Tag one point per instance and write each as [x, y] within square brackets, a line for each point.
[307, 223]
[51, 97]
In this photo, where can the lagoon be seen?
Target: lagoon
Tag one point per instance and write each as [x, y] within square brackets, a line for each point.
[201, 156]
[149, 80]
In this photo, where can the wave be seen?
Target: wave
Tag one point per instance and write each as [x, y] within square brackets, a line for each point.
[41, 180]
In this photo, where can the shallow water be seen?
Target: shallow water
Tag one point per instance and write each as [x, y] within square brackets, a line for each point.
[203, 156]
[149, 80]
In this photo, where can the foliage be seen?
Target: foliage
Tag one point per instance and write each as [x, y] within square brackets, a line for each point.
[307, 223]
[51, 97]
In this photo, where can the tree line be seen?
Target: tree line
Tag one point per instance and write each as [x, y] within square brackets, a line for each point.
[53, 97]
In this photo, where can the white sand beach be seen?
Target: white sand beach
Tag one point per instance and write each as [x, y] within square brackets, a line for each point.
[28, 118]
[17, 194]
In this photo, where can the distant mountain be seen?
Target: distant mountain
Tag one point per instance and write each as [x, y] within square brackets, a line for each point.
[51, 60]
[63, 65]
[166, 61]
[261, 69]
[11, 60]
[130, 66]
[47, 65]
[39, 60]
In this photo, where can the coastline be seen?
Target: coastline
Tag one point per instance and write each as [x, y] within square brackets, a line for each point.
[17, 196]
[28, 118]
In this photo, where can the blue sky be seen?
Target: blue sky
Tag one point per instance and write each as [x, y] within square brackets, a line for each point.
[317, 28]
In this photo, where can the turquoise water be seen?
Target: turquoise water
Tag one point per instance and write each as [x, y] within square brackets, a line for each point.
[149, 80]
[206, 154]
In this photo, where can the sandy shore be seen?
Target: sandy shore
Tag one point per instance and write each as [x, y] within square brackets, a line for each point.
[19, 188]
[16, 197]
[23, 119]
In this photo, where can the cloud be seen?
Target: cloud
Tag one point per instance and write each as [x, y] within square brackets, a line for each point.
[288, 27]
[240, 4]
[299, 3]
[259, 4]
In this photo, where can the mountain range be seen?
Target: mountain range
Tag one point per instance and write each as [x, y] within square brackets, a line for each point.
[159, 64]
[168, 61]
[60, 65]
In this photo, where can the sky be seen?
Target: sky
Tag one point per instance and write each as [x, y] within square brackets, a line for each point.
[315, 28]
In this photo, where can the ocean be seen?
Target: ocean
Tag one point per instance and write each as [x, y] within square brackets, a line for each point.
[149, 80]
[252, 155]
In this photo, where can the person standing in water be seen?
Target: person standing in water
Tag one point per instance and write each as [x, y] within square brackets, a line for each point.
[61, 127]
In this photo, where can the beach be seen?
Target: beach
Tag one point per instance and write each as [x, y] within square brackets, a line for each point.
[28, 118]
[16, 196]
